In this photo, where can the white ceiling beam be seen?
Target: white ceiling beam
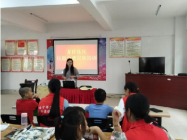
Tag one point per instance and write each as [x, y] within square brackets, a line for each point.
[99, 12]
[105, 0]
[22, 20]
[186, 22]
[30, 3]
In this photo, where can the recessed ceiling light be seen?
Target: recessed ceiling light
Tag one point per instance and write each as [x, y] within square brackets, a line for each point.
[38, 17]
[158, 10]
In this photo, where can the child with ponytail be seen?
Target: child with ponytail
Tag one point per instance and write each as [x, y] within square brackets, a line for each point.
[53, 104]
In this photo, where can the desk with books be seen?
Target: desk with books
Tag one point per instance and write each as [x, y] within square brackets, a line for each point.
[9, 129]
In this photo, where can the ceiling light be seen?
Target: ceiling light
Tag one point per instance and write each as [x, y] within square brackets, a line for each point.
[158, 9]
[38, 17]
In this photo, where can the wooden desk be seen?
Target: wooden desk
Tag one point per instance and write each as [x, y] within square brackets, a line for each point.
[108, 135]
[159, 115]
[165, 113]
[42, 91]
[80, 105]
[9, 129]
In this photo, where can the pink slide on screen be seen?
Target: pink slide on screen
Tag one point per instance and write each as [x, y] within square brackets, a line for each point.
[84, 56]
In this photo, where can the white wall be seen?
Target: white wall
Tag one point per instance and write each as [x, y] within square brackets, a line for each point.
[157, 40]
[180, 45]
[10, 80]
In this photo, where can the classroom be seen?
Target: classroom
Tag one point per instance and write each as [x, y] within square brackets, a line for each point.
[157, 28]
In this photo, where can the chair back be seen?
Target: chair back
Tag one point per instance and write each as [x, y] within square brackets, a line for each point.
[104, 124]
[34, 89]
[12, 119]
[46, 121]
[31, 85]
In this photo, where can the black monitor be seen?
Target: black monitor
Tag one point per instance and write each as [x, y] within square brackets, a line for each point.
[152, 65]
[68, 84]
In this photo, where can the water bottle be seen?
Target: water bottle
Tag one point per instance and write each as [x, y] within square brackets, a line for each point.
[23, 120]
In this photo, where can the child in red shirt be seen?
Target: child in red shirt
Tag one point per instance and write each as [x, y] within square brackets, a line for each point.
[27, 104]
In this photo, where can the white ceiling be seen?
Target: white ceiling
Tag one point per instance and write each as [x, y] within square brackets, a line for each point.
[126, 9]
[105, 12]
[118, 10]
[57, 14]
[4, 22]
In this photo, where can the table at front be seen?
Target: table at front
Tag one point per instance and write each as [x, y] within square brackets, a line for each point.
[72, 95]
[78, 96]
[9, 129]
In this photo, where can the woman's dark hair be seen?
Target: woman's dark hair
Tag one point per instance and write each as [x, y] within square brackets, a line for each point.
[139, 107]
[67, 68]
[132, 87]
[54, 86]
[66, 128]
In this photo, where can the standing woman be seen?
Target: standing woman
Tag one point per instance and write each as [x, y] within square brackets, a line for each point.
[70, 72]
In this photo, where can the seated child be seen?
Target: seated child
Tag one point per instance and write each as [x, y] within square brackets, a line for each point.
[26, 104]
[73, 125]
[99, 110]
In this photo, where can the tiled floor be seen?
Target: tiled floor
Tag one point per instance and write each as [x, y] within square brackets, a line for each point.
[176, 124]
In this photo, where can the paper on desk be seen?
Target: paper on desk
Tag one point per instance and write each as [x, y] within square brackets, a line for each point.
[112, 137]
[4, 126]
[85, 88]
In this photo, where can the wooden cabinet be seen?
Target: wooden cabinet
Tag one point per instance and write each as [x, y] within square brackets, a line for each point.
[162, 90]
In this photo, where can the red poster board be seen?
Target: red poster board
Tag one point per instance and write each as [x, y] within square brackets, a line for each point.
[21, 48]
